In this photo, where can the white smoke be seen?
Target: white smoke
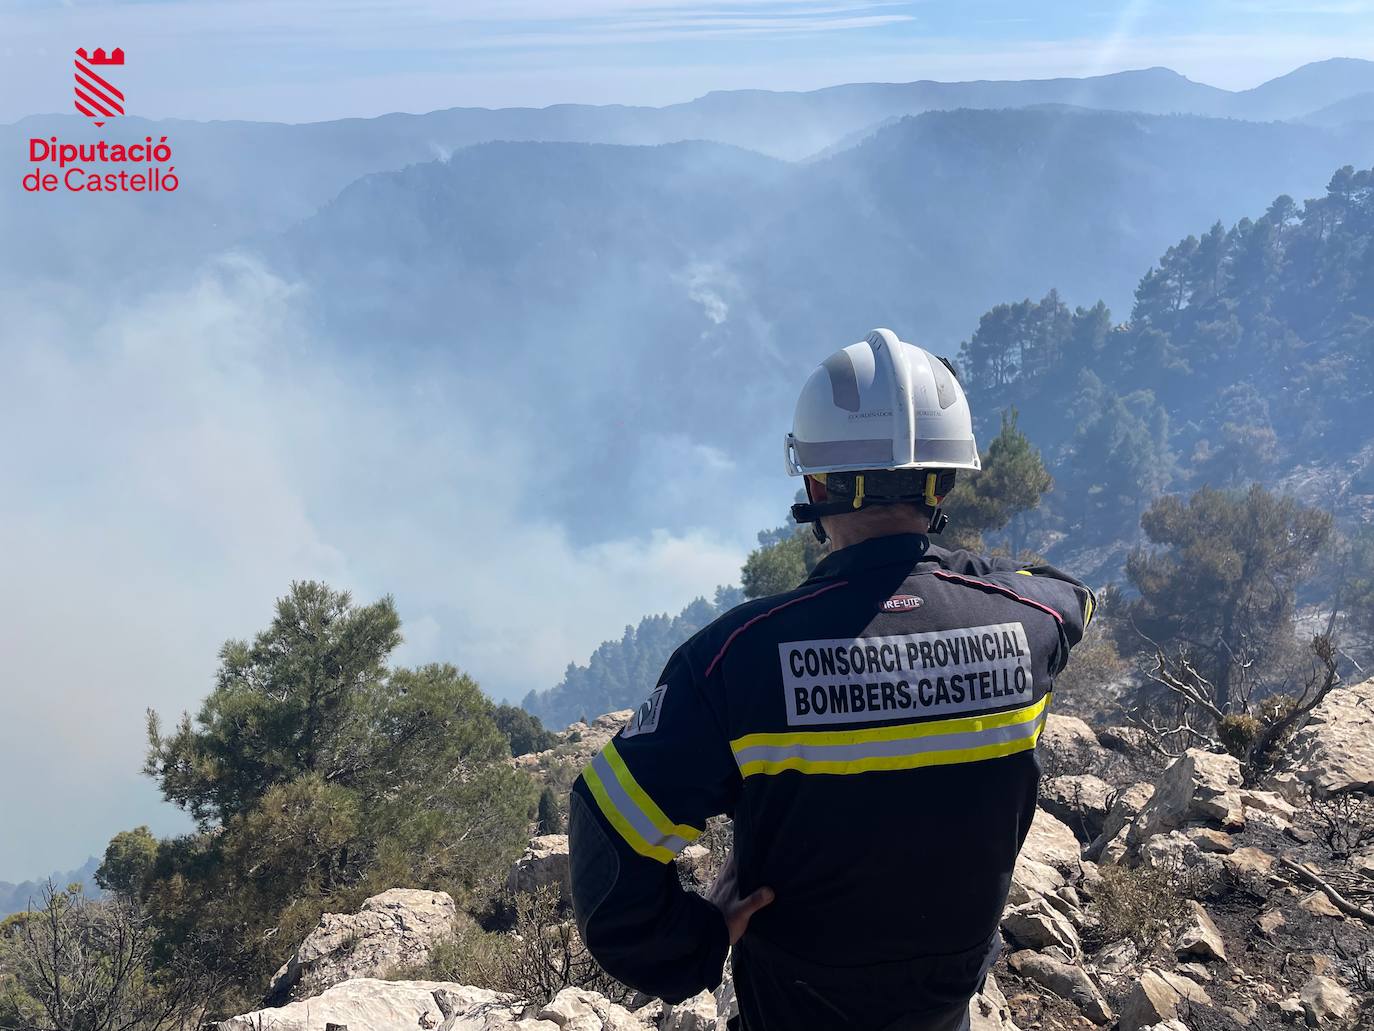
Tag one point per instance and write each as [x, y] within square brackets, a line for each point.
[171, 465]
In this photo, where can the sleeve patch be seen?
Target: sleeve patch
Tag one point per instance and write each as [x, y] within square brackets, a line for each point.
[645, 719]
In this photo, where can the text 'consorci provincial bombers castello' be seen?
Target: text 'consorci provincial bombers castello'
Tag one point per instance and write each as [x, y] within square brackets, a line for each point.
[859, 680]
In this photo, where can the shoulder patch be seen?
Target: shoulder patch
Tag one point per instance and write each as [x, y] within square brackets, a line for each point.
[645, 719]
[902, 603]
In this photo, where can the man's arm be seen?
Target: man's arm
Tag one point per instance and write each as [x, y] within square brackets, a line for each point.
[643, 799]
[1071, 598]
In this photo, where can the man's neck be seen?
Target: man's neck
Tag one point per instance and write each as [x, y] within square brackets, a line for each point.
[842, 536]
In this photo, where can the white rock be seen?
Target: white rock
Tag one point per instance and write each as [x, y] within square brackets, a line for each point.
[1324, 1002]
[1080, 800]
[727, 1006]
[545, 861]
[1196, 787]
[1253, 869]
[1066, 980]
[1156, 999]
[695, 860]
[1069, 742]
[988, 1010]
[1052, 843]
[1334, 749]
[1177, 851]
[1363, 863]
[1269, 802]
[1032, 879]
[1039, 925]
[1110, 844]
[577, 1009]
[367, 1003]
[396, 928]
[1200, 939]
[695, 1014]
[1318, 904]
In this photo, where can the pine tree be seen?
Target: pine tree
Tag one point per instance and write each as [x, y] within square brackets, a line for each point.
[1011, 484]
[1223, 575]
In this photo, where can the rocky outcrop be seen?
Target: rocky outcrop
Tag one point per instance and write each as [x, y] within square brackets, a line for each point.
[1159, 996]
[1324, 1002]
[1333, 751]
[367, 1003]
[577, 1009]
[1068, 745]
[1052, 843]
[545, 862]
[988, 1011]
[699, 1013]
[1040, 925]
[394, 929]
[1200, 939]
[577, 744]
[1197, 787]
[1066, 980]
[1080, 801]
[1069, 952]
[1126, 805]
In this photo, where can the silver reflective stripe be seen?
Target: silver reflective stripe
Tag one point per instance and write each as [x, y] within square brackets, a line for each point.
[884, 749]
[873, 453]
[877, 453]
[963, 452]
[629, 809]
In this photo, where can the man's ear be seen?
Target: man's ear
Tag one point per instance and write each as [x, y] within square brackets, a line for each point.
[815, 490]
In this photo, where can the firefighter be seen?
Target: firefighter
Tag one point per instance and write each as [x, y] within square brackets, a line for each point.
[872, 734]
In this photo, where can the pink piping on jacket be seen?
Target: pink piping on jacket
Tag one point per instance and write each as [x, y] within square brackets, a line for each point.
[762, 616]
[999, 589]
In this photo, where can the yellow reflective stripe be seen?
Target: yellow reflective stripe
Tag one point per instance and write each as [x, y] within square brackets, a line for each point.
[1088, 609]
[1025, 572]
[656, 816]
[960, 725]
[892, 762]
[632, 837]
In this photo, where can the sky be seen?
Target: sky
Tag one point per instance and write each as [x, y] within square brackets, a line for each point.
[302, 60]
[159, 487]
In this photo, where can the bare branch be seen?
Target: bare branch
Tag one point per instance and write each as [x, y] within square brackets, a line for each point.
[1337, 899]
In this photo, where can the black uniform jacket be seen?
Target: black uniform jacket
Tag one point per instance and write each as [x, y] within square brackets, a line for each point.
[873, 734]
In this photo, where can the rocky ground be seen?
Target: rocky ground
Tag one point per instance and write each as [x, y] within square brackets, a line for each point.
[1173, 897]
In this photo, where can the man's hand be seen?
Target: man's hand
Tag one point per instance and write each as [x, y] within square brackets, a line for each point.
[724, 895]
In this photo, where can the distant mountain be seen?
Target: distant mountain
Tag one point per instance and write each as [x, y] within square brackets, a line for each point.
[243, 180]
[1350, 111]
[618, 285]
[15, 898]
[1305, 89]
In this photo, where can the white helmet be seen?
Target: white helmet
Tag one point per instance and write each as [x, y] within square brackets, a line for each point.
[891, 413]
[881, 404]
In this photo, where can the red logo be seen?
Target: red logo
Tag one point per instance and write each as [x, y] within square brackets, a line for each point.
[902, 603]
[97, 97]
[100, 166]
